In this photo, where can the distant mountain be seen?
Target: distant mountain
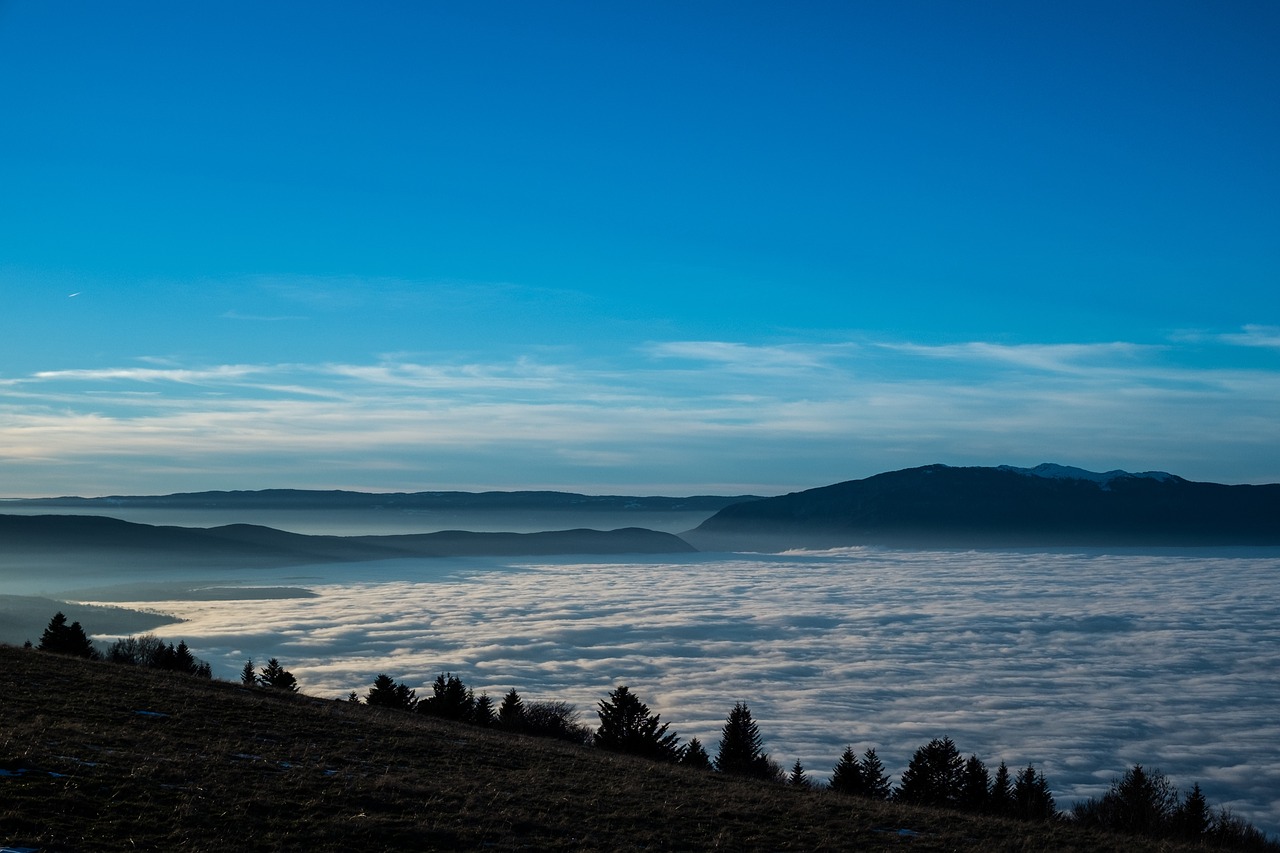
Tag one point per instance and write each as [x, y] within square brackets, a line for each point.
[1049, 505]
[339, 499]
[99, 540]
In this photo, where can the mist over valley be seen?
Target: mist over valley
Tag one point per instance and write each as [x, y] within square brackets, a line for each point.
[1081, 660]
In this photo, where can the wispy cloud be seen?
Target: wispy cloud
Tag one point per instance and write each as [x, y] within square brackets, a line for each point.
[745, 358]
[705, 414]
[1055, 358]
[1255, 336]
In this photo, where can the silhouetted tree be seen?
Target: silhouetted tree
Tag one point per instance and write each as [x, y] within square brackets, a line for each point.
[276, 676]
[64, 639]
[935, 775]
[1031, 797]
[449, 699]
[874, 778]
[136, 651]
[695, 755]
[248, 677]
[975, 786]
[511, 712]
[1192, 819]
[846, 776]
[1000, 800]
[482, 714]
[1139, 802]
[1235, 833]
[627, 726]
[741, 752]
[797, 778]
[556, 720]
[386, 693]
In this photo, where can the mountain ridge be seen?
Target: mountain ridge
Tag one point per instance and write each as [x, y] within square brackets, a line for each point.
[98, 537]
[944, 506]
[424, 500]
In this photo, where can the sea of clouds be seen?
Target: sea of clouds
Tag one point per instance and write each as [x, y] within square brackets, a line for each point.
[1082, 664]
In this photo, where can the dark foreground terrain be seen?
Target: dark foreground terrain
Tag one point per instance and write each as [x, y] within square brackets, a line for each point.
[103, 757]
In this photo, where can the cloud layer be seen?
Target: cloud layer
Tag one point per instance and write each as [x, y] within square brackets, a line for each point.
[1081, 664]
[677, 416]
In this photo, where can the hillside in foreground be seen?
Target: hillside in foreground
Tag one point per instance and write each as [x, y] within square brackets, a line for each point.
[100, 757]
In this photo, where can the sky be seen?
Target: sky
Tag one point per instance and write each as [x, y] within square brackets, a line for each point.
[662, 248]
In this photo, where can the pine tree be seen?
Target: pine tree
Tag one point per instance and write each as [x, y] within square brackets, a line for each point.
[695, 755]
[64, 639]
[1000, 799]
[846, 776]
[934, 776]
[483, 713]
[55, 633]
[386, 693]
[449, 699]
[975, 786]
[511, 712]
[1031, 797]
[183, 660]
[798, 778]
[1193, 820]
[874, 777]
[248, 677]
[741, 752]
[275, 675]
[627, 726]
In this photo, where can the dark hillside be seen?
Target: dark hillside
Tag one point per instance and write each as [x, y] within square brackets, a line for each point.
[96, 538]
[102, 757]
[940, 506]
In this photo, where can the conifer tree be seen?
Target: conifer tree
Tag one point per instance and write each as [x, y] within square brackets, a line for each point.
[934, 776]
[1193, 819]
[798, 778]
[627, 726]
[1000, 799]
[975, 786]
[275, 675]
[511, 712]
[482, 714]
[248, 677]
[695, 755]
[846, 776]
[449, 699]
[874, 777]
[741, 752]
[386, 693]
[64, 639]
[1031, 797]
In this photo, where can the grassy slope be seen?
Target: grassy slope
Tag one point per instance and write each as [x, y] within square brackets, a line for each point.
[232, 768]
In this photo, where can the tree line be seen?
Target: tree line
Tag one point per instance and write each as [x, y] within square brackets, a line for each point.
[1141, 802]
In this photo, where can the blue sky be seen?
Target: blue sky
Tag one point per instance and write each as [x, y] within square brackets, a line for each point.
[660, 247]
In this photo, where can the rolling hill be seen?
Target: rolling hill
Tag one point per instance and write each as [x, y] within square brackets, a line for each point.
[1046, 506]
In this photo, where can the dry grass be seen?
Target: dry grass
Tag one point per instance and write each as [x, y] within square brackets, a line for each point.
[229, 768]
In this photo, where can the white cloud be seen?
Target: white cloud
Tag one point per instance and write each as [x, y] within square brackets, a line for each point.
[1080, 663]
[698, 415]
[1255, 336]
